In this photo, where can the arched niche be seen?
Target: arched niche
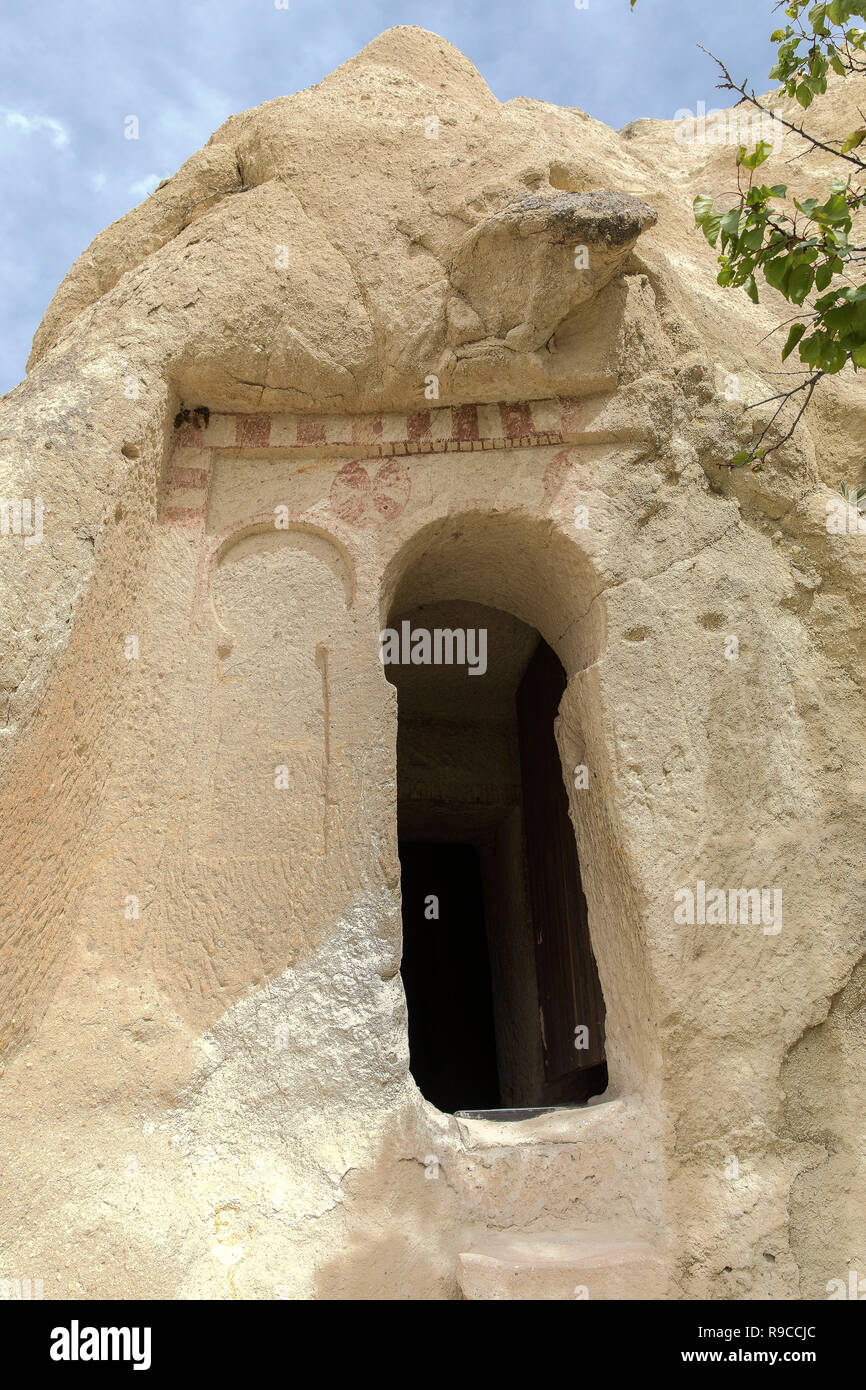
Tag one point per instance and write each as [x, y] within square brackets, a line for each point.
[280, 599]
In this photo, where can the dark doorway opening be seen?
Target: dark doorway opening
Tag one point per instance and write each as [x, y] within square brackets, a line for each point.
[446, 976]
[504, 1002]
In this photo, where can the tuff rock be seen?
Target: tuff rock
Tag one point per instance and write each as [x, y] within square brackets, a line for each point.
[206, 1089]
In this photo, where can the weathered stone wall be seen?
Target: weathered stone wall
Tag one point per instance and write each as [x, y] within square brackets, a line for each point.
[206, 1089]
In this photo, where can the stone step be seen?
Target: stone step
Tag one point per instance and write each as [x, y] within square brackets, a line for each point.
[549, 1265]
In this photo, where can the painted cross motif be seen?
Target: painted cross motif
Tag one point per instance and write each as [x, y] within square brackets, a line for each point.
[362, 500]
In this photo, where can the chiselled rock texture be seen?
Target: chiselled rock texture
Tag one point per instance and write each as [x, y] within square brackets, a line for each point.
[205, 1088]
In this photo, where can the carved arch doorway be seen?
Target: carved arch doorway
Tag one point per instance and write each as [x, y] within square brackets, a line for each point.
[505, 1009]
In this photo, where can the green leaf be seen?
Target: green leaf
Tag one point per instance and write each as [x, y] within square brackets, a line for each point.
[739, 459]
[776, 271]
[751, 289]
[752, 239]
[810, 350]
[800, 283]
[711, 228]
[759, 155]
[853, 141]
[823, 276]
[707, 217]
[730, 226]
[833, 358]
[794, 337]
[834, 212]
[826, 302]
[841, 318]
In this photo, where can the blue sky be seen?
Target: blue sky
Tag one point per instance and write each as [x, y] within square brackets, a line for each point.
[71, 72]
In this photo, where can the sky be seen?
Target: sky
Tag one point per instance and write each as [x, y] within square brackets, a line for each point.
[71, 75]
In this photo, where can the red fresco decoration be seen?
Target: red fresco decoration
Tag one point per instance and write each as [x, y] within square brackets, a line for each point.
[361, 500]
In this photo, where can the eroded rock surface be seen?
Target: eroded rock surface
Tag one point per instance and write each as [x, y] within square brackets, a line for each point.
[206, 1089]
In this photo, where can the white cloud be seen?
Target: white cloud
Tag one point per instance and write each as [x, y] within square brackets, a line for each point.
[16, 120]
[98, 182]
[142, 188]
